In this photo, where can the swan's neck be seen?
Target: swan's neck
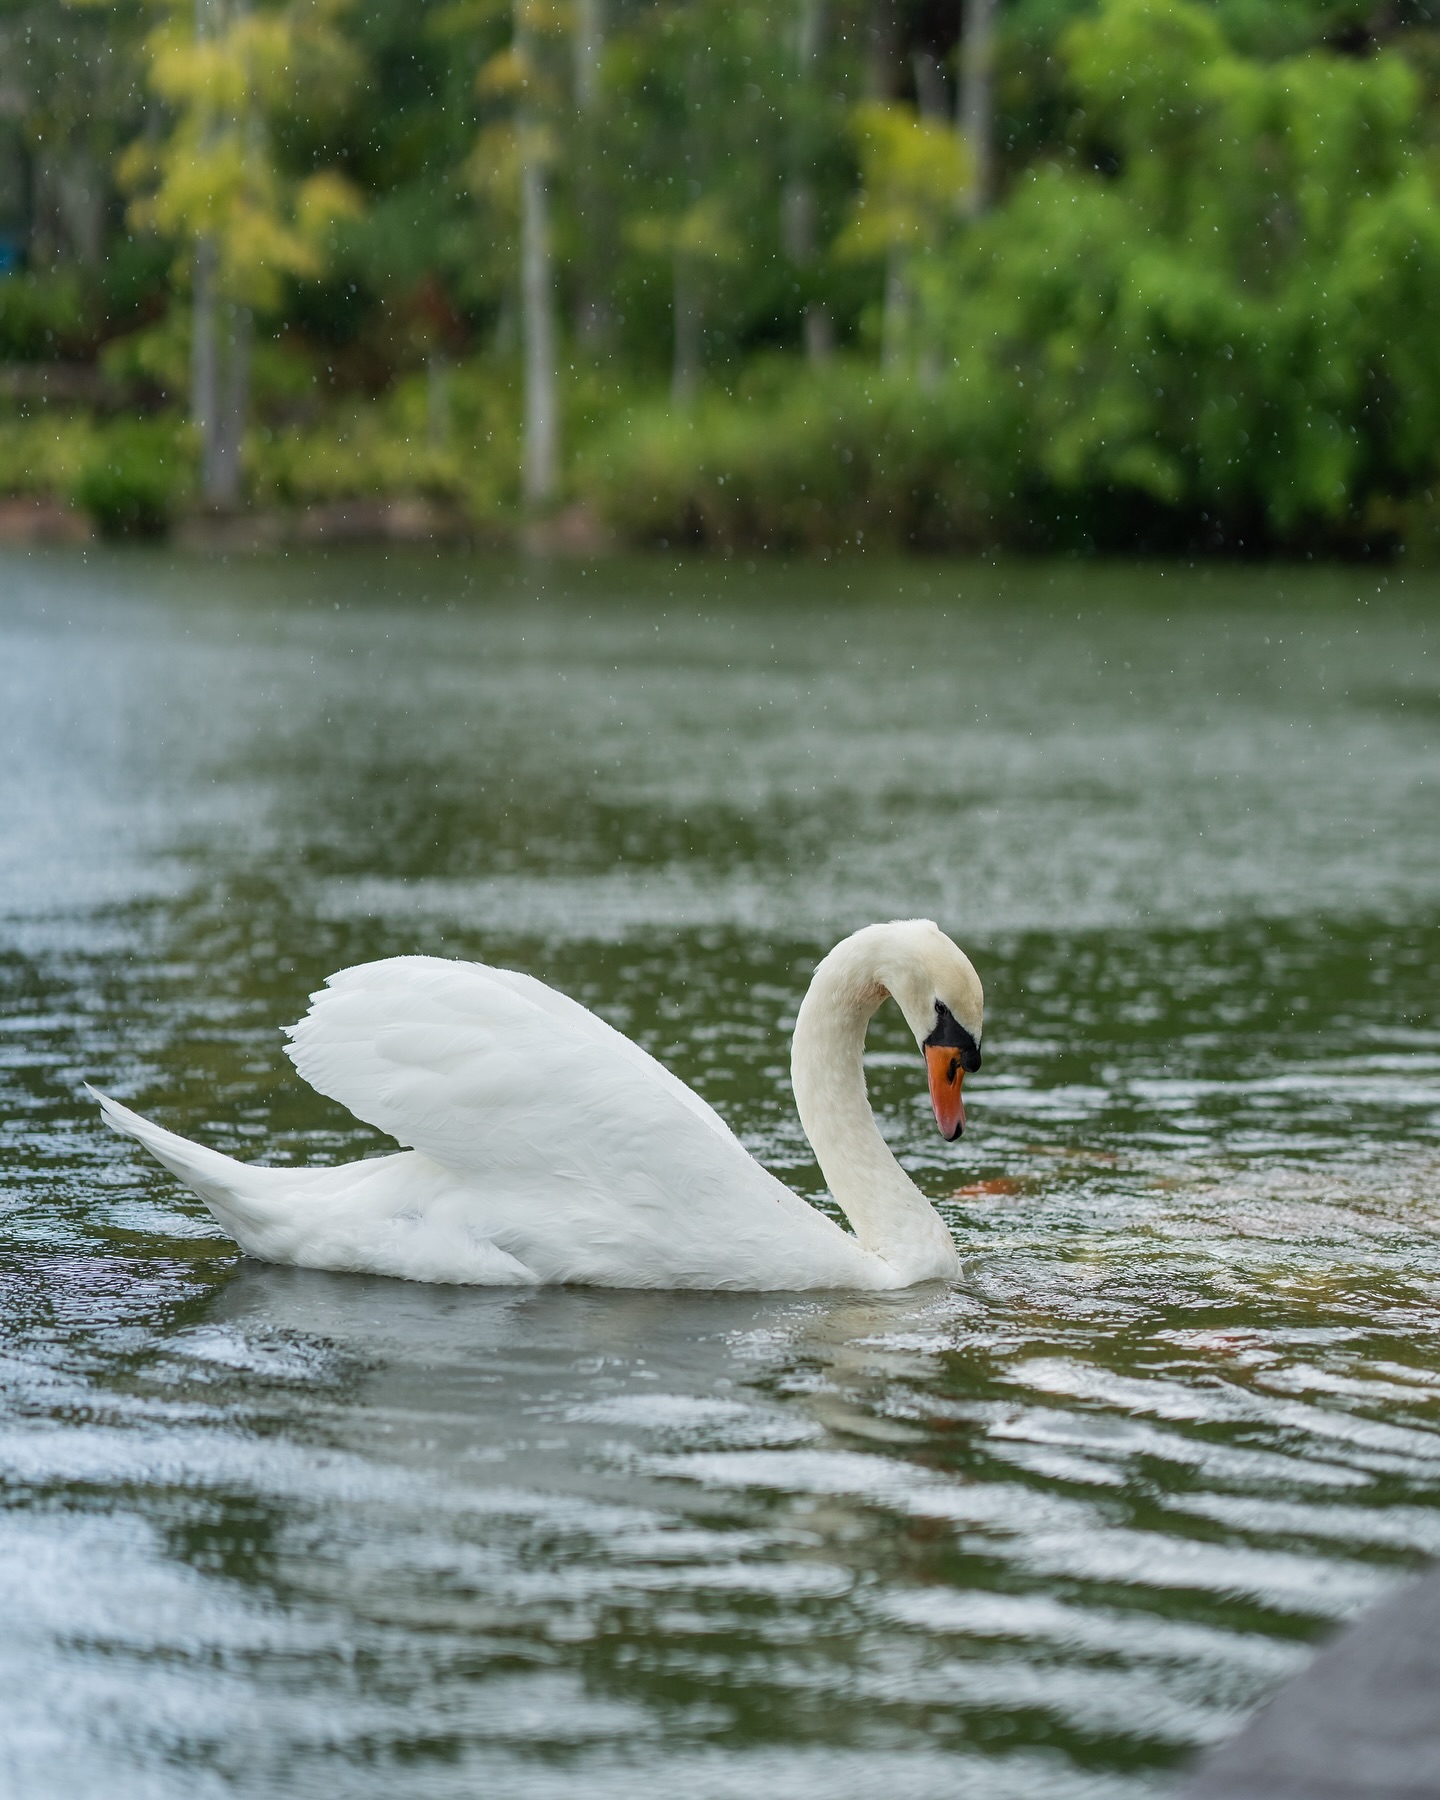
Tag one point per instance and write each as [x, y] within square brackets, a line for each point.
[890, 1216]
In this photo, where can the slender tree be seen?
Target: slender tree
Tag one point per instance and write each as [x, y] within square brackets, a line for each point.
[219, 423]
[541, 446]
[975, 113]
[589, 47]
[216, 184]
[800, 223]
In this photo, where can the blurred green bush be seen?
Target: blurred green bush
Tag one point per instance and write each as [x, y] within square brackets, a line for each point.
[45, 317]
[842, 455]
[1238, 325]
[132, 476]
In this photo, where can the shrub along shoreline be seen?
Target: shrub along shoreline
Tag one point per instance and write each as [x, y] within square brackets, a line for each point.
[846, 459]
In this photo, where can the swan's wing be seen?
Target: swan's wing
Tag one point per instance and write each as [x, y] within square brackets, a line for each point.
[570, 1016]
[575, 1152]
[447, 1055]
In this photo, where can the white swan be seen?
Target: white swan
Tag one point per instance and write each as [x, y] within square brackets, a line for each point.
[546, 1147]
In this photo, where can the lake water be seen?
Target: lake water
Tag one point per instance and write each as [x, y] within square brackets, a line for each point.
[1036, 1536]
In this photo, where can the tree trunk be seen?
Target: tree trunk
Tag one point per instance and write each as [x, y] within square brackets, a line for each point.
[591, 313]
[930, 98]
[884, 63]
[437, 400]
[589, 43]
[204, 361]
[977, 101]
[80, 208]
[223, 468]
[797, 220]
[685, 370]
[799, 223]
[219, 347]
[44, 246]
[537, 330]
[539, 451]
[895, 315]
[819, 333]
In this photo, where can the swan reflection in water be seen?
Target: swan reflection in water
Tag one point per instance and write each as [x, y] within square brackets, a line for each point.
[613, 1395]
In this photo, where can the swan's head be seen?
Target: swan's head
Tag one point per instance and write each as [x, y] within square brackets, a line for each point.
[934, 984]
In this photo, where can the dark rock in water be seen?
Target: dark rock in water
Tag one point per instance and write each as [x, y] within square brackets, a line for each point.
[1362, 1722]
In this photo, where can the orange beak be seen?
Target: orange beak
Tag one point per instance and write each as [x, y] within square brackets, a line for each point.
[947, 1078]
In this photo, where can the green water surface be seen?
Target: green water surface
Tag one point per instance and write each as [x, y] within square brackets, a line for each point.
[1039, 1534]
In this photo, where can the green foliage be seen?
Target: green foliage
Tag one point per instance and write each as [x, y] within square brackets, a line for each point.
[215, 175]
[844, 458]
[707, 125]
[460, 445]
[913, 174]
[45, 318]
[1237, 322]
[44, 455]
[1198, 312]
[132, 477]
[156, 356]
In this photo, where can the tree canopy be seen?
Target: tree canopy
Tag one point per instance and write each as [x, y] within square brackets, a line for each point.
[733, 259]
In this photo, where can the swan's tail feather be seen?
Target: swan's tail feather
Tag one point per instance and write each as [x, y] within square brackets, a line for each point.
[389, 1215]
[242, 1196]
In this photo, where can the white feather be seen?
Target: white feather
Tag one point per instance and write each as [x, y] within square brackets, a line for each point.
[542, 1146]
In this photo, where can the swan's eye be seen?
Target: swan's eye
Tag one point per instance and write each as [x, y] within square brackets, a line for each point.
[952, 1035]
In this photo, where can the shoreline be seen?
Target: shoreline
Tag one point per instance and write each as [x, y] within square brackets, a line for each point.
[574, 530]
